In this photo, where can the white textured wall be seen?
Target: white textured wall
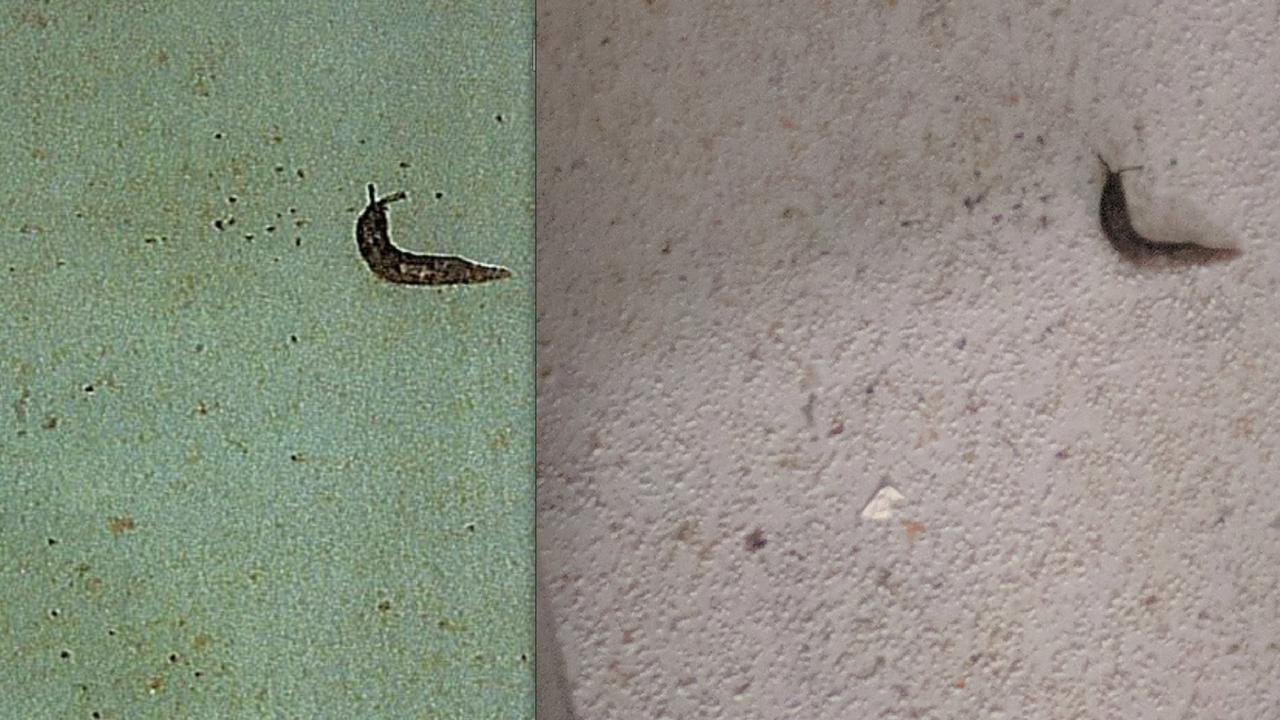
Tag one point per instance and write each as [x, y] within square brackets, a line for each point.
[792, 251]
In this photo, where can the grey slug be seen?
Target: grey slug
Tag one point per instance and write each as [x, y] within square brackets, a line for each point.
[397, 266]
[1114, 212]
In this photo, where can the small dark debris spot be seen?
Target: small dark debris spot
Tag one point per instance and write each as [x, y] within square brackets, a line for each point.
[384, 605]
[837, 427]
[299, 222]
[50, 423]
[360, 142]
[471, 527]
[755, 540]
[1173, 162]
[232, 199]
[297, 457]
[218, 224]
[975, 657]
[293, 210]
[961, 343]
[1040, 139]
[198, 674]
[65, 654]
[111, 632]
[231, 221]
[293, 338]
[121, 525]
[666, 248]
[905, 223]
[439, 195]
[271, 228]
[217, 136]
[605, 41]
[301, 174]
[279, 168]
[53, 612]
[173, 657]
[88, 389]
[404, 164]
[52, 542]
[297, 242]
[1062, 454]
[95, 715]
[524, 657]
[248, 236]
[871, 388]
[277, 138]
[498, 118]
[150, 240]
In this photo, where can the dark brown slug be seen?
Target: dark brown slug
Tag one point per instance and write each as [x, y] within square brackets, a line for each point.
[1113, 210]
[397, 266]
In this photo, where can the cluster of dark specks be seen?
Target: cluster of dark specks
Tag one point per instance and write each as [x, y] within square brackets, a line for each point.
[228, 220]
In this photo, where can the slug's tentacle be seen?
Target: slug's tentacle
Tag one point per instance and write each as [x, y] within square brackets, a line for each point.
[395, 265]
[1113, 211]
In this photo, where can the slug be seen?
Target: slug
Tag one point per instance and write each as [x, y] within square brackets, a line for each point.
[397, 266]
[1113, 211]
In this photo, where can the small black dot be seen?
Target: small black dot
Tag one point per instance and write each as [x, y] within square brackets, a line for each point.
[293, 338]
[111, 632]
[53, 613]
[297, 242]
[279, 168]
[52, 542]
[271, 228]
[198, 674]
[232, 199]
[217, 224]
[65, 654]
[248, 236]
[404, 164]
[217, 136]
[88, 389]
[301, 174]
[439, 195]
[95, 715]
[173, 657]
[471, 527]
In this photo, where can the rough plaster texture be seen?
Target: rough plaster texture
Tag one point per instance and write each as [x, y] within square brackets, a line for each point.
[791, 252]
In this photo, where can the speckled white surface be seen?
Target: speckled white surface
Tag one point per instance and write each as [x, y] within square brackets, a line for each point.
[790, 253]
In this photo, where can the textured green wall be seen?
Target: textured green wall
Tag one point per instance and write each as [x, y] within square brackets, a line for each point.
[239, 476]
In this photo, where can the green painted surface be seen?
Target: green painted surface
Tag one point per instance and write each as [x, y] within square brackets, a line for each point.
[239, 476]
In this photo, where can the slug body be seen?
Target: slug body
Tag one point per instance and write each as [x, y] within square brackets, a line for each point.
[397, 266]
[1113, 211]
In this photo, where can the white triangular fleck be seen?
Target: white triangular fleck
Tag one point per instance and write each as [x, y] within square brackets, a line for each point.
[881, 506]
